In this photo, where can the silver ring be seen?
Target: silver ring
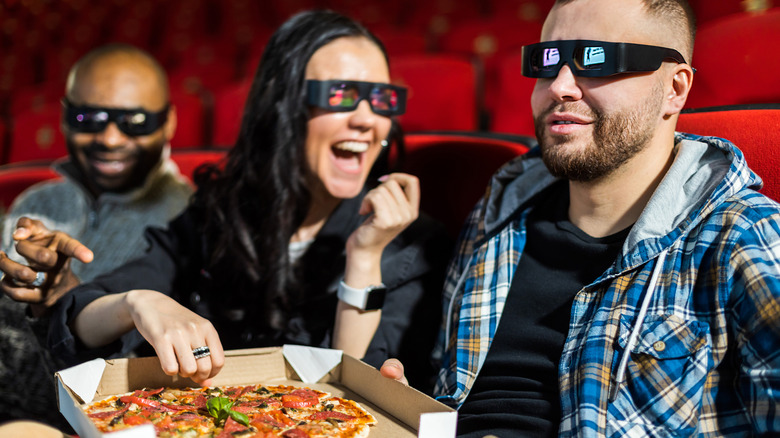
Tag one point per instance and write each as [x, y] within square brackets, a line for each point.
[40, 278]
[201, 352]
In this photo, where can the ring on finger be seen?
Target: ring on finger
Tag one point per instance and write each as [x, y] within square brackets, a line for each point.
[201, 352]
[40, 279]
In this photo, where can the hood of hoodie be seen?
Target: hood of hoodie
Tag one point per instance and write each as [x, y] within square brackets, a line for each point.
[705, 172]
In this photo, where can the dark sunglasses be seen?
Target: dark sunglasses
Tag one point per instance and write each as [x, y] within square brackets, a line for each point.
[594, 59]
[338, 95]
[132, 122]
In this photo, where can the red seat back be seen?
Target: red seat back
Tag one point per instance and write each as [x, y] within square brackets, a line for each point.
[736, 61]
[191, 128]
[189, 159]
[15, 178]
[442, 92]
[707, 11]
[513, 107]
[3, 141]
[454, 169]
[228, 108]
[36, 135]
[753, 131]
[490, 41]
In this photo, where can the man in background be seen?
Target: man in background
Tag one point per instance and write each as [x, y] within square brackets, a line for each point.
[117, 180]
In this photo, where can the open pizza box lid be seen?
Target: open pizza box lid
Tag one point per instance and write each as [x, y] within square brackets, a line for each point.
[400, 411]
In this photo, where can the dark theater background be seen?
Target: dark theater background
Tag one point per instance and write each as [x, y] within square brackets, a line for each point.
[460, 60]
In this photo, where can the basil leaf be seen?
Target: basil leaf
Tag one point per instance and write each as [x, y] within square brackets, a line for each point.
[219, 408]
[239, 417]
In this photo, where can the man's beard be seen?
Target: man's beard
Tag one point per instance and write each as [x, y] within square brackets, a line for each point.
[617, 137]
[146, 158]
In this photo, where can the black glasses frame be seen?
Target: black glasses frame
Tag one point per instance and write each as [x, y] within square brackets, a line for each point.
[132, 122]
[318, 94]
[592, 58]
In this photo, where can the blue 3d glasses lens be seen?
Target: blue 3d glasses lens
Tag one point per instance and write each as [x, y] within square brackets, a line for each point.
[590, 58]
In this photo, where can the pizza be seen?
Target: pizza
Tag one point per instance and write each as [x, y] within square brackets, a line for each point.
[236, 411]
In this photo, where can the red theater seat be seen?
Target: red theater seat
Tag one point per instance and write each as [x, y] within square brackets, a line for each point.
[736, 61]
[189, 160]
[35, 97]
[191, 127]
[398, 41]
[752, 129]
[490, 41]
[442, 92]
[36, 135]
[707, 10]
[513, 105]
[15, 178]
[228, 108]
[454, 169]
[525, 10]
[3, 140]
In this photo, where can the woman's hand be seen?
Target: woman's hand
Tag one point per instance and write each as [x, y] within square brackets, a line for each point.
[175, 331]
[395, 204]
[48, 254]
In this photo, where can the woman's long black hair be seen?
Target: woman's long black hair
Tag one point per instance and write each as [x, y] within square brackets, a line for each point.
[253, 206]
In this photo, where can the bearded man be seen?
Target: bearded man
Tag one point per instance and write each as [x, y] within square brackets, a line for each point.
[622, 279]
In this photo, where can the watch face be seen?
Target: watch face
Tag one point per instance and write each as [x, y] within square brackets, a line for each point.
[376, 297]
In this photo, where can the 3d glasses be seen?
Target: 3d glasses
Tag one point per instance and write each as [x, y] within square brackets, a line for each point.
[338, 95]
[594, 59]
[132, 122]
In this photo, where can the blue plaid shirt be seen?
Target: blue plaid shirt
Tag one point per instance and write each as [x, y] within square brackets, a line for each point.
[706, 361]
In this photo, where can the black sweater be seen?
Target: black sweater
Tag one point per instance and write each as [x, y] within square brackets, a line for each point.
[412, 269]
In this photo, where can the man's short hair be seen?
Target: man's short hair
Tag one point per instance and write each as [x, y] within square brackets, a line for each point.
[677, 13]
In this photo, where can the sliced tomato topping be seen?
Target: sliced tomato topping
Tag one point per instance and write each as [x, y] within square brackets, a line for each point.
[281, 417]
[134, 420]
[295, 401]
[331, 414]
[164, 424]
[266, 420]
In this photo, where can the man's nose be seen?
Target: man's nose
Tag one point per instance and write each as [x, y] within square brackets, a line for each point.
[112, 137]
[565, 86]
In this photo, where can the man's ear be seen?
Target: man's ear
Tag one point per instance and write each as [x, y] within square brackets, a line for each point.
[677, 92]
[170, 124]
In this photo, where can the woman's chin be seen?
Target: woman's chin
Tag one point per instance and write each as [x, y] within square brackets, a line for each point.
[344, 189]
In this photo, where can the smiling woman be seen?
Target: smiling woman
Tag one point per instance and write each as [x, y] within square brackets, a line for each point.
[296, 240]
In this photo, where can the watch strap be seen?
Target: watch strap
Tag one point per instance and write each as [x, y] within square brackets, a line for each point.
[369, 298]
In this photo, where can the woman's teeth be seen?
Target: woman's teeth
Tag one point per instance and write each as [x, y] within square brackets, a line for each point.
[352, 146]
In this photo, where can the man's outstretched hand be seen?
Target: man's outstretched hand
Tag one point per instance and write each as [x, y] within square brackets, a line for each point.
[47, 275]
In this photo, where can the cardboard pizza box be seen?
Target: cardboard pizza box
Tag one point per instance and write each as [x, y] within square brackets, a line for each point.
[400, 411]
